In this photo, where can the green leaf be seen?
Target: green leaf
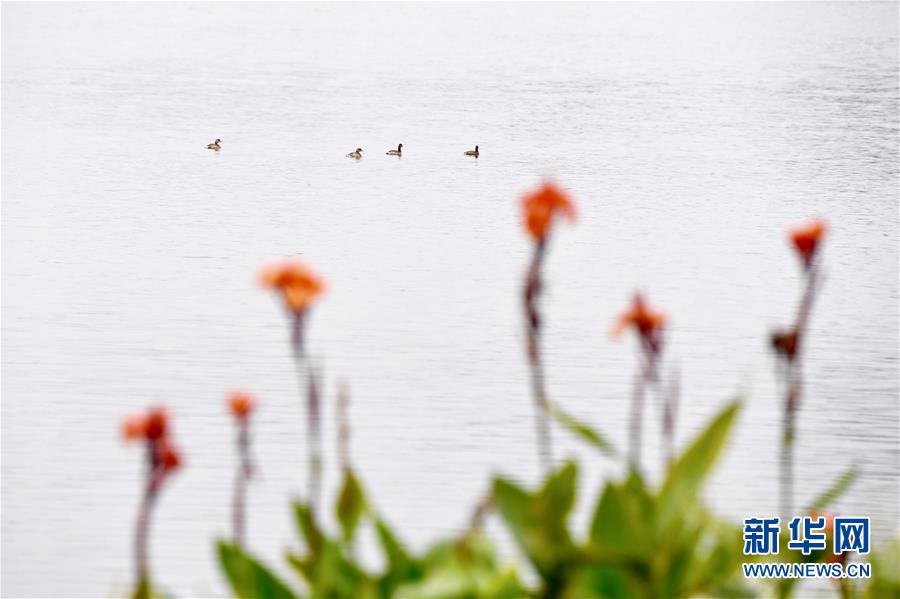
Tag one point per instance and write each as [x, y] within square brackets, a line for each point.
[351, 505]
[600, 581]
[396, 555]
[310, 531]
[503, 584]
[885, 580]
[622, 525]
[338, 576]
[838, 488]
[332, 573]
[512, 503]
[464, 568]
[687, 473]
[580, 429]
[142, 590]
[401, 567]
[249, 579]
[304, 566]
[558, 492]
[539, 521]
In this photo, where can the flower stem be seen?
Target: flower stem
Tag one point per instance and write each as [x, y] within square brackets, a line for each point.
[142, 527]
[670, 412]
[244, 471]
[634, 429]
[646, 378]
[308, 387]
[533, 326]
[314, 440]
[343, 407]
[793, 378]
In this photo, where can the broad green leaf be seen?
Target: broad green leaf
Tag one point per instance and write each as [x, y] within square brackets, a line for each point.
[885, 580]
[733, 588]
[600, 581]
[142, 590]
[678, 566]
[558, 492]
[838, 488]
[351, 505]
[513, 505]
[474, 550]
[463, 568]
[306, 567]
[338, 576]
[719, 555]
[686, 474]
[610, 526]
[639, 495]
[249, 579]
[621, 526]
[539, 521]
[503, 584]
[440, 584]
[401, 567]
[396, 555]
[580, 429]
[306, 522]
[333, 573]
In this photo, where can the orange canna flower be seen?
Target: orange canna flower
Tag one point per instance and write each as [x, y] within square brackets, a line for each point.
[134, 427]
[298, 284]
[806, 237]
[829, 520]
[830, 557]
[241, 404]
[540, 206]
[784, 342]
[156, 424]
[169, 457]
[645, 321]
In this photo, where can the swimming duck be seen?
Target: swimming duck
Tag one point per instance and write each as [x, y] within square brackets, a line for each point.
[473, 152]
[397, 152]
[216, 145]
[355, 154]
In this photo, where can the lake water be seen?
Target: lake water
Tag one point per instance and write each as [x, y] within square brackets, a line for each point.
[691, 136]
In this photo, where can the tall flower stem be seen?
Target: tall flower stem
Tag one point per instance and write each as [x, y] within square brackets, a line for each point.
[670, 413]
[306, 378]
[162, 458]
[645, 378]
[343, 440]
[635, 425]
[532, 331]
[299, 287]
[649, 325]
[142, 529]
[539, 209]
[244, 471]
[793, 388]
[476, 521]
[314, 432]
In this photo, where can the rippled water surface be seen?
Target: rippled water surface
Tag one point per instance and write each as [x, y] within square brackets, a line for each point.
[691, 135]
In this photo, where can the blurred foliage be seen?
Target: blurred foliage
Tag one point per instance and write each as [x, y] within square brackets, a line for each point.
[640, 543]
[885, 581]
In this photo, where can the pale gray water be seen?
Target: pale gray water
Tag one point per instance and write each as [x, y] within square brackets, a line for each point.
[690, 135]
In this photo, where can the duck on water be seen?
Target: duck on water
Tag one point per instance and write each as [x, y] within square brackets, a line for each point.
[397, 152]
[472, 152]
[216, 145]
[355, 154]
